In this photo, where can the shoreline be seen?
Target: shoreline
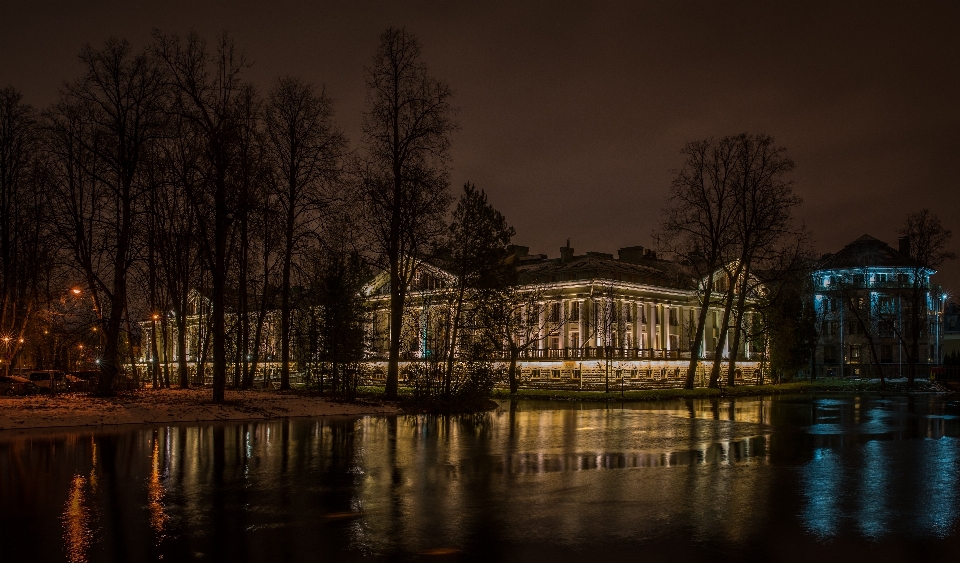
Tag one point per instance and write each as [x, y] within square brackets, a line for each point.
[185, 406]
[166, 406]
[824, 386]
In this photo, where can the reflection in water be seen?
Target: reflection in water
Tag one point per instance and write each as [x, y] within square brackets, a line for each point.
[529, 478]
[93, 465]
[821, 480]
[940, 493]
[155, 491]
[77, 532]
[883, 468]
[874, 483]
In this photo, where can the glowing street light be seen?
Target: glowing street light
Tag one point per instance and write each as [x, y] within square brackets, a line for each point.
[76, 291]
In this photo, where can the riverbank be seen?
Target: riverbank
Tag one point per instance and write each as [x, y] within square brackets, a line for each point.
[173, 405]
[893, 387]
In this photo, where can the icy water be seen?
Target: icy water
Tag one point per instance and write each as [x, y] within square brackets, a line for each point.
[772, 479]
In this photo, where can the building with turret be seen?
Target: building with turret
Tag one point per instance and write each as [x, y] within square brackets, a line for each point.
[865, 296]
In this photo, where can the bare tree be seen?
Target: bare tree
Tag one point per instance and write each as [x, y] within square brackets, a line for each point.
[864, 322]
[764, 229]
[926, 240]
[101, 130]
[209, 94]
[25, 253]
[519, 318]
[762, 201]
[698, 226]
[406, 133]
[306, 150]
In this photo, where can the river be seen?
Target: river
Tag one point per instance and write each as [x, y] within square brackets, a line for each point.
[791, 478]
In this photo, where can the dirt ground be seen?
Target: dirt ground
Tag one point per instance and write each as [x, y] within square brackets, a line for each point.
[169, 405]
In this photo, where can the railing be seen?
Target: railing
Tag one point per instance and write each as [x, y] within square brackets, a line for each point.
[586, 353]
[574, 354]
[602, 353]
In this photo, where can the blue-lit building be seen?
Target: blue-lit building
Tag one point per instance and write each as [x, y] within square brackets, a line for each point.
[863, 296]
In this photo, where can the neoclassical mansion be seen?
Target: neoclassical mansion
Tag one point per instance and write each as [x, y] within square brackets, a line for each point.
[626, 322]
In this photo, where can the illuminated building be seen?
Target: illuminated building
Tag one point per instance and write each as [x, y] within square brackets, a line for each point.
[628, 321]
[625, 322]
[863, 295]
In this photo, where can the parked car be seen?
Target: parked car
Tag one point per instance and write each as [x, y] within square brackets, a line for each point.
[49, 380]
[91, 375]
[16, 385]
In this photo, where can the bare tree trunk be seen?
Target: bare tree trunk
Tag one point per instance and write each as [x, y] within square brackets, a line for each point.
[724, 326]
[738, 326]
[697, 343]
[512, 374]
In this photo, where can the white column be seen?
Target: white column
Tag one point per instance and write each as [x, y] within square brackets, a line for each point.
[580, 324]
[666, 327]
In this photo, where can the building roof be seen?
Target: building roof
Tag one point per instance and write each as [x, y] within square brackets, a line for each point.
[867, 251]
[648, 271]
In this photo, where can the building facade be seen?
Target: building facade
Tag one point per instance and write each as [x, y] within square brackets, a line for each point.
[865, 296]
[593, 321]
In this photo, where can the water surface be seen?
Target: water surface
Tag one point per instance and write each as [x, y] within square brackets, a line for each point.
[771, 479]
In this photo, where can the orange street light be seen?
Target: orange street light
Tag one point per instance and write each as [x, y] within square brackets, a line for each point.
[76, 291]
[156, 316]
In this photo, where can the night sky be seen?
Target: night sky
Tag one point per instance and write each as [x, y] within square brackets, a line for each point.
[573, 113]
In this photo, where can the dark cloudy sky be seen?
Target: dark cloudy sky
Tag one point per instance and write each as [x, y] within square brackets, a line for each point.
[572, 113]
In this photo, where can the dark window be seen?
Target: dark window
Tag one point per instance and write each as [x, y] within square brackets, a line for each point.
[886, 353]
[830, 354]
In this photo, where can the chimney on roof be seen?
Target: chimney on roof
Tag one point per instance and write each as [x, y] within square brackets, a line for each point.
[905, 246]
[566, 253]
[631, 254]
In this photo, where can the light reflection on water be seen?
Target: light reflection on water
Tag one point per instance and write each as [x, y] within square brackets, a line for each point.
[77, 534]
[155, 493]
[722, 477]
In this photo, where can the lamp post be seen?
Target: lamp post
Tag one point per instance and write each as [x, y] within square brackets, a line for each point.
[6, 350]
[154, 366]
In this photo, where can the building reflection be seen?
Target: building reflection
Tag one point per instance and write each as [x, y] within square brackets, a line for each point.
[885, 468]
